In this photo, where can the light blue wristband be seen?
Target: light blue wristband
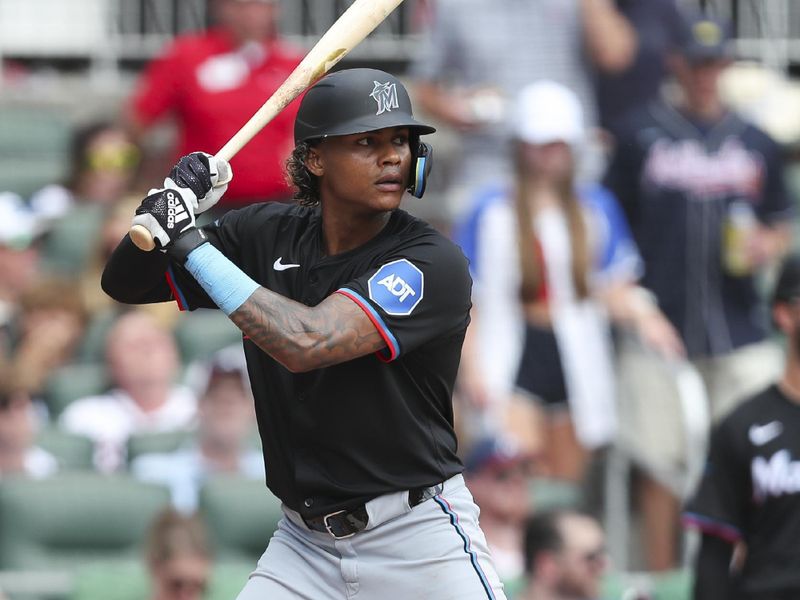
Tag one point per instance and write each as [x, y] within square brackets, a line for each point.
[223, 281]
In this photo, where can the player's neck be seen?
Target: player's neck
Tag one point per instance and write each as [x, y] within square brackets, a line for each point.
[342, 233]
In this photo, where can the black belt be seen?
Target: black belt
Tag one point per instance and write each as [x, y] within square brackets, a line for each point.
[345, 523]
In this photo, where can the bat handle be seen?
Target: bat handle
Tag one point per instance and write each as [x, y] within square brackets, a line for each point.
[142, 238]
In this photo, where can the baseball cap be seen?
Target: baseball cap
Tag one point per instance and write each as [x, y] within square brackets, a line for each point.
[544, 112]
[20, 227]
[494, 452]
[706, 39]
[787, 287]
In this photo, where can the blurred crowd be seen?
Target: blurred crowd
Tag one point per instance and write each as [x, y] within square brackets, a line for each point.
[624, 227]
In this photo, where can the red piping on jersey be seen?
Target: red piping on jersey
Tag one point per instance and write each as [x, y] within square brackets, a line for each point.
[378, 325]
[176, 294]
[726, 532]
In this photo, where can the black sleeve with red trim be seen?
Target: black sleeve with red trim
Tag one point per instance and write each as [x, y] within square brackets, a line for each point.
[712, 578]
[720, 503]
[420, 293]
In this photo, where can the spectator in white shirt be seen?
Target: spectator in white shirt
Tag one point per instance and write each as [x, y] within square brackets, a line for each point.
[144, 365]
[225, 426]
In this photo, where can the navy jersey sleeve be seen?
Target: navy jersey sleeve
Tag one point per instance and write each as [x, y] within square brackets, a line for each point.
[624, 172]
[776, 204]
[419, 293]
[719, 504]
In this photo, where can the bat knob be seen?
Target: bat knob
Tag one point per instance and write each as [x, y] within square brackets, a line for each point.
[142, 238]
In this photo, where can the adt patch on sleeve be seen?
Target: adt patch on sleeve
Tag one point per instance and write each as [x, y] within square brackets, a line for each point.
[397, 287]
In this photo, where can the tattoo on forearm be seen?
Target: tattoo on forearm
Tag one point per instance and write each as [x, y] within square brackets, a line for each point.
[302, 337]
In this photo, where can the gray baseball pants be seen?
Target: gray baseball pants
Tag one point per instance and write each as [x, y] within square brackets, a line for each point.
[434, 550]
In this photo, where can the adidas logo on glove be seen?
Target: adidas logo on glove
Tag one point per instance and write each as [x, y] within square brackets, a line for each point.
[176, 213]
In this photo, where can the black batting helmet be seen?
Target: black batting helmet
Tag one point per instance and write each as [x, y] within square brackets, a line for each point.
[354, 101]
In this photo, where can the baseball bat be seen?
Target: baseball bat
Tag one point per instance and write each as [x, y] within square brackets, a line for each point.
[349, 30]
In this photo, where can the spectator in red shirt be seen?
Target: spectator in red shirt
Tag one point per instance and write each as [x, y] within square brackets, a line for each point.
[212, 82]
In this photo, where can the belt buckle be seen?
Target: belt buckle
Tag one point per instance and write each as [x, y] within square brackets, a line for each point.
[329, 529]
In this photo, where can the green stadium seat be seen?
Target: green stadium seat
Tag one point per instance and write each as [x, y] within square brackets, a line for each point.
[202, 332]
[241, 515]
[70, 382]
[673, 585]
[72, 451]
[128, 580]
[92, 348]
[34, 144]
[73, 519]
[549, 493]
[72, 240]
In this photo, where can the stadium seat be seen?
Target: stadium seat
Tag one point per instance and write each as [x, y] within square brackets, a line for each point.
[163, 441]
[71, 382]
[673, 585]
[202, 332]
[74, 518]
[128, 580]
[34, 143]
[72, 451]
[549, 493]
[241, 515]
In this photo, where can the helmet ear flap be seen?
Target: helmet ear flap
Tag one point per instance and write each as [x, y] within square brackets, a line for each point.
[422, 161]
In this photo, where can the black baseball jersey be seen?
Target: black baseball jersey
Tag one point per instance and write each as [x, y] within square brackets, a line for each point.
[750, 490]
[678, 181]
[340, 435]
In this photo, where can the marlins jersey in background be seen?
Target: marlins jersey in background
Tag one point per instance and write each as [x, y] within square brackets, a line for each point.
[679, 181]
[750, 490]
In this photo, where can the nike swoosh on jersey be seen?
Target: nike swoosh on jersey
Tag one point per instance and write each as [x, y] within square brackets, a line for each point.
[279, 266]
[762, 434]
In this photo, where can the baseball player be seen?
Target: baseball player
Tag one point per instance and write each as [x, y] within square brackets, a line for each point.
[353, 314]
[750, 491]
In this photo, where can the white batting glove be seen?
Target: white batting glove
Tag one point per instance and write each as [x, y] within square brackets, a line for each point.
[205, 175]
[167, 213]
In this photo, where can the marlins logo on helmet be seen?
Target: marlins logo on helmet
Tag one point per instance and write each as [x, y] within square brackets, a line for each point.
[385, 94]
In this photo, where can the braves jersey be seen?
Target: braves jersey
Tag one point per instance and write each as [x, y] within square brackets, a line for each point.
[677, 181]
[338, 436]
[750, 490]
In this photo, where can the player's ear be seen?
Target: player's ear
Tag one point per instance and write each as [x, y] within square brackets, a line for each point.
[314, 161]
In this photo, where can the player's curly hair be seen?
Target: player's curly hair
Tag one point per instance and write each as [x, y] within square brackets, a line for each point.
[305, 183]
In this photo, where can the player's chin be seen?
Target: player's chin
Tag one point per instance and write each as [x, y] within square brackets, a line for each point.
[388, 196]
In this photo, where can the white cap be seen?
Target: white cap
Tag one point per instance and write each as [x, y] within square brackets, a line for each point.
[19, 226]
[546, 112]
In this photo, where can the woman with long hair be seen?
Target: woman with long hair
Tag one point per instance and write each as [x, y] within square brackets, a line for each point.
[553, 260]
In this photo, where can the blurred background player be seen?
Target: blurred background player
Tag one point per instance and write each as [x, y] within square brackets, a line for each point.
[212, 82]
[565, 556]
[705, 195]
[749, 496]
